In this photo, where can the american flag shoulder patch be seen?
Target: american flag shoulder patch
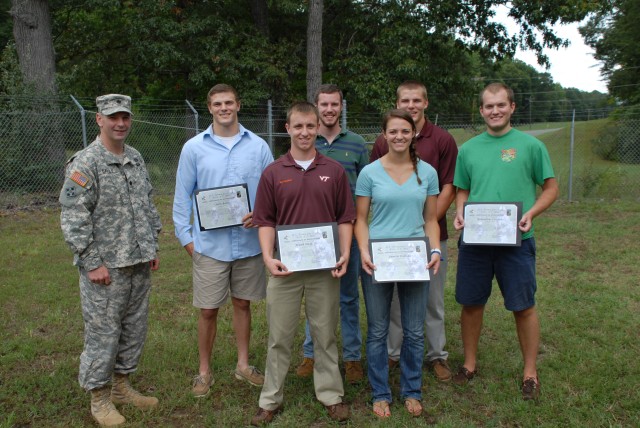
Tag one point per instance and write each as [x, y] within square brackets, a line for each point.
[79, 178]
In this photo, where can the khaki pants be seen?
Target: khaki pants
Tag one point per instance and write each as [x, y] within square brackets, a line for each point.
[322, 303]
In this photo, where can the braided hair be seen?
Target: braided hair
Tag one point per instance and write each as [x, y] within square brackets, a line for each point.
[405, 115]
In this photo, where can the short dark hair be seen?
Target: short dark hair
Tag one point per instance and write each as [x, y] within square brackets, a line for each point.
[327, 88]
[219, 89]
[496, 87]
[304, 107]
[411, 84]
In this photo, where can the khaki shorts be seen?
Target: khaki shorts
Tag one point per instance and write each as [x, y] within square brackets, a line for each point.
[213, 280]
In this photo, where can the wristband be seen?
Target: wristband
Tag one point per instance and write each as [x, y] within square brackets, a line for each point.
[437, 251]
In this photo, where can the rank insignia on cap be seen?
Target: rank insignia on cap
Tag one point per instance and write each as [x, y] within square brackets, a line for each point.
[79, 178]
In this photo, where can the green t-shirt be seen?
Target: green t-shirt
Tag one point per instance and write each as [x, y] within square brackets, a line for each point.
[503, 169]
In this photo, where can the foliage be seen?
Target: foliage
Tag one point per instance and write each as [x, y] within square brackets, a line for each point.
[614, 36]
[166, 49]
[176, 49]
[538, 98]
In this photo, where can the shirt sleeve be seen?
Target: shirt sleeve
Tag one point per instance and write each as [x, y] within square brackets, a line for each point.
[154, 215]
[364, 183]
[345, 210]
[265, 212]
[461, 176]
[267, 156]
[379, 148]
[543, 168]
[448, 155]
[75, 216]
[364, 158]
[186, 181]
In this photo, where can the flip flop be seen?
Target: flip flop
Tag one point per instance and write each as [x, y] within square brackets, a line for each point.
[381, 409]
[413, 406]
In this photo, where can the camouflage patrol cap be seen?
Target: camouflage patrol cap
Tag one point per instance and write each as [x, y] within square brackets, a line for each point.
[113, 103]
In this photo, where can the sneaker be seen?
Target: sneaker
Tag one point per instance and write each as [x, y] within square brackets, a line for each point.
[530, 389]
[202, 385]
[338, 412]
[463, 376]
[441, 370]
[264, 416]
[251, 375]
[305, 369]
[353, 372]
[393, 364]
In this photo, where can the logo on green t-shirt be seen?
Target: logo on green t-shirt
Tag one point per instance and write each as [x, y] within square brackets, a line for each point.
[508, 155]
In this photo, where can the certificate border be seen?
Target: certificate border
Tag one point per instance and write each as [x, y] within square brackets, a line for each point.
[195, 195]
[336, 240]
[424, 239]
[518, 235]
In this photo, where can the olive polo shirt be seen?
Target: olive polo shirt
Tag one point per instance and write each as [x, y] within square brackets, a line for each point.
[435, 146]
[350, 150]
[288, 195]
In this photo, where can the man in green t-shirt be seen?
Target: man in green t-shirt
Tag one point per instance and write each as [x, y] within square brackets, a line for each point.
[501, 165]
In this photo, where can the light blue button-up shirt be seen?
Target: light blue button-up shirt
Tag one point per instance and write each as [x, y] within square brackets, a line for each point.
[206, 162]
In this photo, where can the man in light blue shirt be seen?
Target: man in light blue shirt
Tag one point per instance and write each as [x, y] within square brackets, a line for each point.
[226, 261]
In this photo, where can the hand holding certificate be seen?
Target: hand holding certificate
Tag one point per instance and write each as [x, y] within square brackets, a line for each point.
[221, 207]
[306, 247]
[399, 260]
[492, 223]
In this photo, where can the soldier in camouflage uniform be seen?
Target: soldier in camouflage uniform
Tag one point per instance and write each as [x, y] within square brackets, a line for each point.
[111, 224]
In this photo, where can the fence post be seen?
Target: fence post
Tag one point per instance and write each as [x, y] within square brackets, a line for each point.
[84, 124]
[344, 114]
[270, 125]
[573, 127]
[195, 113]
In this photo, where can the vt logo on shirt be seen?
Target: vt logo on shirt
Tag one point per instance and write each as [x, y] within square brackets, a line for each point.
[324, 178]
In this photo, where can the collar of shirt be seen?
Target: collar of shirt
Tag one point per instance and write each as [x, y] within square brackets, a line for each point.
[209, 133]
[287, 160]
[111, 158]
[320, 139]
[426, 130]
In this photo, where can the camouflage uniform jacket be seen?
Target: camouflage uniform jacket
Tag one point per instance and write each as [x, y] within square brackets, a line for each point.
[108, 216]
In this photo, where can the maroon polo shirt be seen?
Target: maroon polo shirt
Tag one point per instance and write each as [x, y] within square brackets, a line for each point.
[289, 195]
[436, 147]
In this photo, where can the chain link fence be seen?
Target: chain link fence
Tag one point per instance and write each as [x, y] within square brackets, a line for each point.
[593, 156]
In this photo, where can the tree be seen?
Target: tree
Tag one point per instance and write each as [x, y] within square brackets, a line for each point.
[314, 47]
[260, 14]
[613, 34]
[34, 43]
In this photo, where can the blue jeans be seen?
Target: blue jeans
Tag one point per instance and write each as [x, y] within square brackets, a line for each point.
[413, 298]
[349, 312]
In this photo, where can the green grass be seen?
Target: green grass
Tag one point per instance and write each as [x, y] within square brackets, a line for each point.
[588, 300]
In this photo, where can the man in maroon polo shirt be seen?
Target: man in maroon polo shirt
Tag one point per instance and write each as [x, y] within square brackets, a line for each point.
[438, 148]
[303, 187]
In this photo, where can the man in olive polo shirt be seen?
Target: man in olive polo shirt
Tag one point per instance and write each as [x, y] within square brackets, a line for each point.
[303, 187]
[350, 150]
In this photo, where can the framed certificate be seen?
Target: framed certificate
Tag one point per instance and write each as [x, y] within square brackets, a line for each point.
[492, 223]
[303, 247]
[220, 207]
[402, 260]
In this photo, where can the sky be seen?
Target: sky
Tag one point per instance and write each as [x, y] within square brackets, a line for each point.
[572, 67]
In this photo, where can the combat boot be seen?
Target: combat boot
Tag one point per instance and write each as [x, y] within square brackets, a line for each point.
[103, 410]
[123, 393]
